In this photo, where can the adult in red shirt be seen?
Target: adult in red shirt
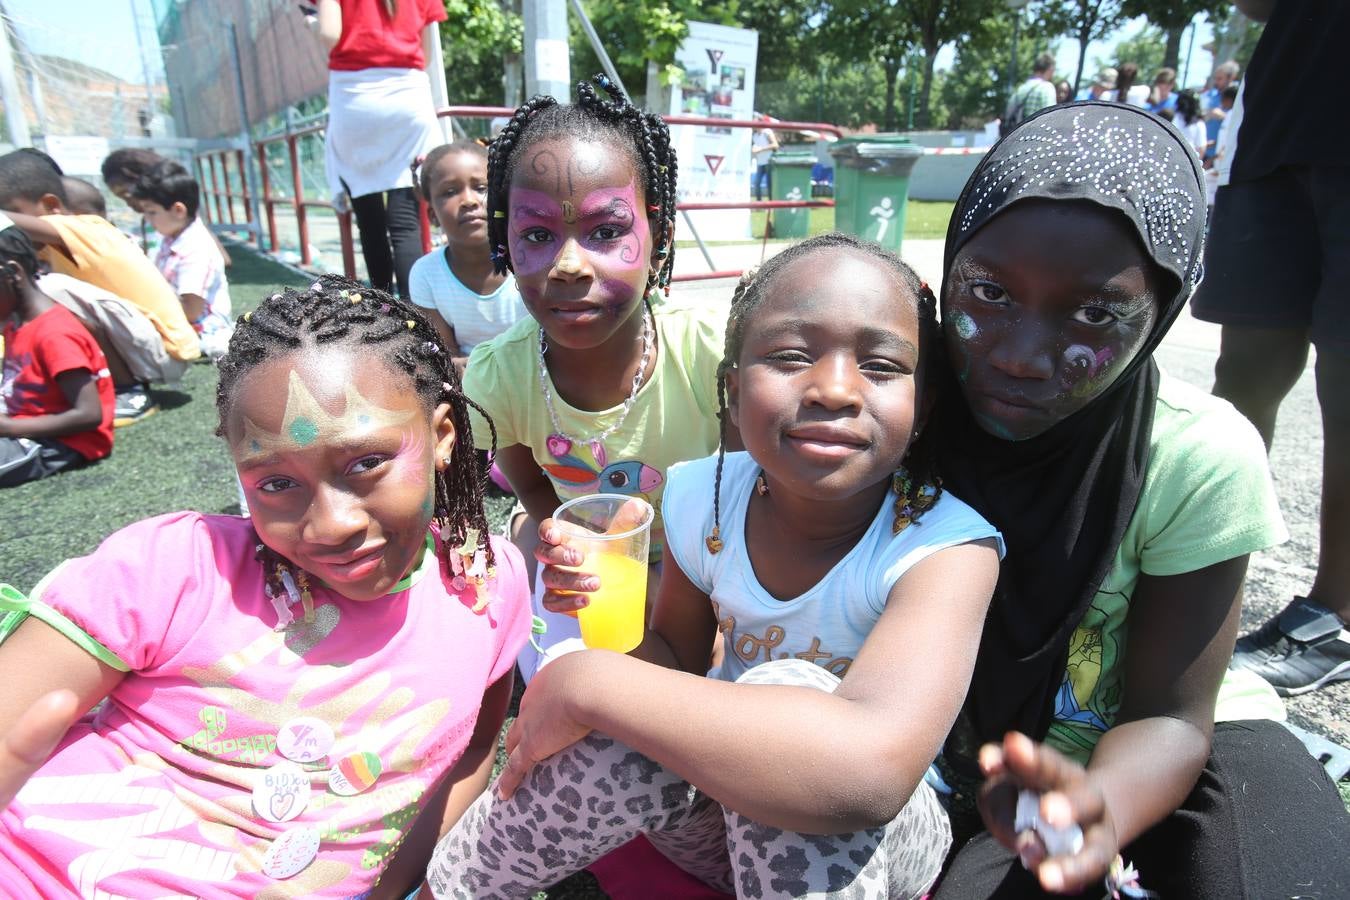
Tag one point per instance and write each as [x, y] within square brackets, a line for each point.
[380, 118]
[57, 393]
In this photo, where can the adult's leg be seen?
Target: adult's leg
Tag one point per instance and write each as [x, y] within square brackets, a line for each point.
[1257, 368]
[1331, 588]
[373, 227]
[405, 233]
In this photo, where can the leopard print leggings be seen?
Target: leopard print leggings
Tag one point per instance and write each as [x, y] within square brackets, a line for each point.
[598, 794]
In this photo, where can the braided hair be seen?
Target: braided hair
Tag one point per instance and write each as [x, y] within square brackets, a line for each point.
[616, 122]
[336, 311]
[920, 464]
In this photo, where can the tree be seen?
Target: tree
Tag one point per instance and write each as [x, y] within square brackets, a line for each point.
[940, 22]
[1145, 49]
[882, 32]
[1172, 16]
[477, 37]
[1083, 20]
[975, 91]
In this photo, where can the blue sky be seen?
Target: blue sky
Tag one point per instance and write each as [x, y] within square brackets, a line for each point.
[101, 33]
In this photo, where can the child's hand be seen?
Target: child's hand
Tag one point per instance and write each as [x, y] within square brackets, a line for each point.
[564, 588]
[1068, 797]
[544, 724]
[27, 745]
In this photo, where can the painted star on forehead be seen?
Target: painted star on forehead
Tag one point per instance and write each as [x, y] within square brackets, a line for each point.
[306, 421]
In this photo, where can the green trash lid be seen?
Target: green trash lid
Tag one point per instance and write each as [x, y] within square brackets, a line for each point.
[794, 158]
[876, 146]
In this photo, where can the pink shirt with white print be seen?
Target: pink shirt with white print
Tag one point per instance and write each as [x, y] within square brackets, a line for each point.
[152, 796]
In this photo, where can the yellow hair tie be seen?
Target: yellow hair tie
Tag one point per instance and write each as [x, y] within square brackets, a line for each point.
[355, 298]
[248, 315]
[411, 324]
[498, 214]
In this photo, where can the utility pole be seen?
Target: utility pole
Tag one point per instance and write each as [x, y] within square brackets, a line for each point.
[547, 68]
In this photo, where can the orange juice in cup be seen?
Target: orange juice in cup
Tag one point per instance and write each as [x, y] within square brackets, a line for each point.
[614, 532]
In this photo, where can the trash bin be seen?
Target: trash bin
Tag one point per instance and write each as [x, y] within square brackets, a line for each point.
[871, 186]
[790, 178]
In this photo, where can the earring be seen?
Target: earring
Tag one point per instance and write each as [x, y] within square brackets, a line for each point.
[445, 461]
[761, 486]
[909, 503]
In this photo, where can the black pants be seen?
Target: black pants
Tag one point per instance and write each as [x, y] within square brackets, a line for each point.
[1263, 822]
[23, 460]
[391, 236]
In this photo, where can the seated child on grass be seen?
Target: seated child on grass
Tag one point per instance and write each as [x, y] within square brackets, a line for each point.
[91, 249]
[464, 296]
[188, 259]
[58, 397]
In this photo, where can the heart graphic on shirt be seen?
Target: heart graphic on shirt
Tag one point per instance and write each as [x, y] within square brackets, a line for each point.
[281, 804]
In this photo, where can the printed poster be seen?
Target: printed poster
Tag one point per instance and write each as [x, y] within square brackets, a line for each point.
[715, 163]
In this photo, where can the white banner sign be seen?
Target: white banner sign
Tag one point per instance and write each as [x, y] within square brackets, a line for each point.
[715, 164]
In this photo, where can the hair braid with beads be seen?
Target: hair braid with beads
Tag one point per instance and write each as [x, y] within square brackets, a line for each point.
[920, 458]
[336, 312]
[643, 136]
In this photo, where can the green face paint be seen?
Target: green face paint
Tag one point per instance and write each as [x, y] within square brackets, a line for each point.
[303, 431]
[964, 325]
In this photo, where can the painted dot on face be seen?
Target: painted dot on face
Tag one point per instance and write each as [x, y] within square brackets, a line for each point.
[303, 431]
[964, 325]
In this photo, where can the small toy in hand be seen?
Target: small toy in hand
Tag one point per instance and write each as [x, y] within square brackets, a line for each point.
[1064, 841]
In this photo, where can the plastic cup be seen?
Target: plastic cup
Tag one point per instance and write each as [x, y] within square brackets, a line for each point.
[614, 531]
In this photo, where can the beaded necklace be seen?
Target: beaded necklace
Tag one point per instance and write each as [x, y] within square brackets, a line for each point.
[648, 343]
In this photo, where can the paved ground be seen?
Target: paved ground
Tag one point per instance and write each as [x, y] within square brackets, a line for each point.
[1188, 353]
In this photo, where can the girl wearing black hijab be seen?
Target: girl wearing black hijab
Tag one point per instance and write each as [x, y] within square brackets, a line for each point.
[1130, 503]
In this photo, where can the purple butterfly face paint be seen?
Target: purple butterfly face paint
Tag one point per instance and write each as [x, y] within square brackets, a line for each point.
[579, 238]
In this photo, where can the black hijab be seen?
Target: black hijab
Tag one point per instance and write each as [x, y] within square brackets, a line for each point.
[1064, 498]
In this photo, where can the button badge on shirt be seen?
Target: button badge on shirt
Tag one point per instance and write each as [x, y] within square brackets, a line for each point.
[281, 793]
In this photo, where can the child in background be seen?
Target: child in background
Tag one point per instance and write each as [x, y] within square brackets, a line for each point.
[458, 285]
[58, 397]
[599, 391]
[187, 258]
[91, 249]
[310, 695]
[83, 199]
[835, 568]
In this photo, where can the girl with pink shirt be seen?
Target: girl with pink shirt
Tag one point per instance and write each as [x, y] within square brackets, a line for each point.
[299, 703]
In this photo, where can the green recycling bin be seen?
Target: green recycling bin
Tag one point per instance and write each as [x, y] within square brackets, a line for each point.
[871, 186]
[790, 177]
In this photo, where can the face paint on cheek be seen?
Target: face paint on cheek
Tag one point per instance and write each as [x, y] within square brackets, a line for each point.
[1085, 368]
[530, 209]
[965, 326]
[411, 457]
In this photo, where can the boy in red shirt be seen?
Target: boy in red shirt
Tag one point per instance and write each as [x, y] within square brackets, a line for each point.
[57, 393]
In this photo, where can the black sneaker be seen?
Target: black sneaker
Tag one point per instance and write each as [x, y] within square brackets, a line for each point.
[1301, 649]
[132, 404]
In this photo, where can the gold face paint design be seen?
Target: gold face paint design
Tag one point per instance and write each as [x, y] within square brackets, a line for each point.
[306, 421]
[570, 262]
[569, 212]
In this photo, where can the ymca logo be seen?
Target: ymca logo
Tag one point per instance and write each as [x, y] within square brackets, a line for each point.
[714, 57]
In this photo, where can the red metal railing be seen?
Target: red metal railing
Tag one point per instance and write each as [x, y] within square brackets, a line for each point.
[216, 162]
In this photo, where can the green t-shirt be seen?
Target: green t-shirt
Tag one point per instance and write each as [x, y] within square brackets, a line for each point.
[1208, 497]
[673, 419]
